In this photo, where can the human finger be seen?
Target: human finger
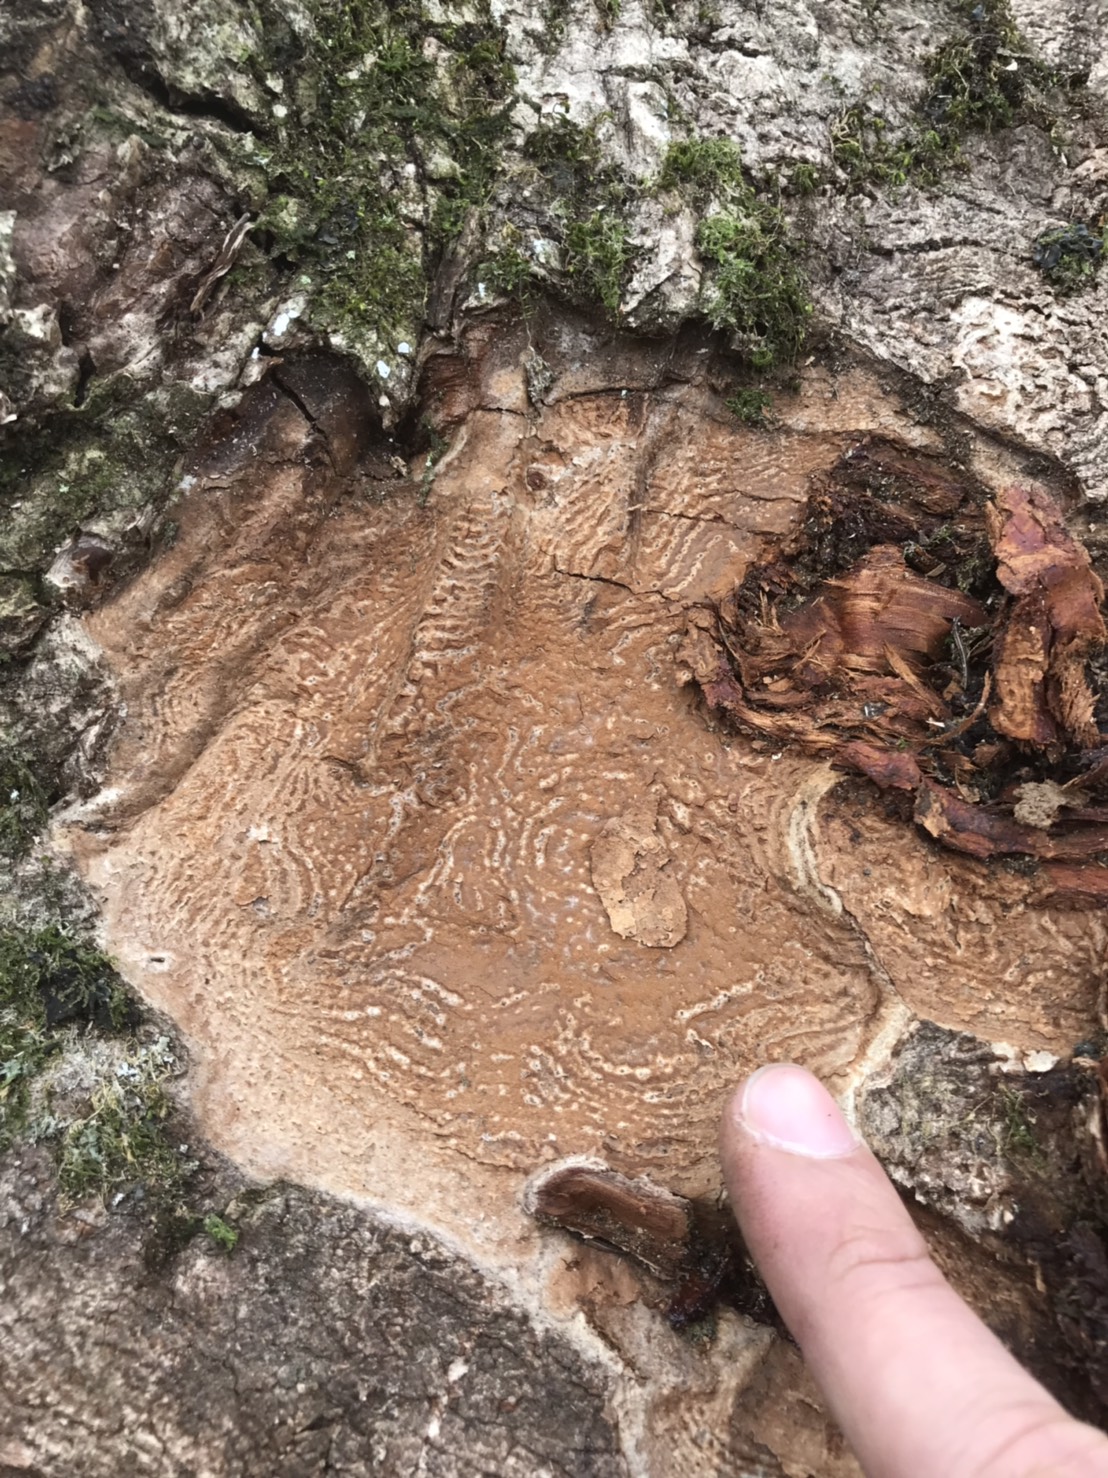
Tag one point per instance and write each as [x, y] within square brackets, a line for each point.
[921, 1387]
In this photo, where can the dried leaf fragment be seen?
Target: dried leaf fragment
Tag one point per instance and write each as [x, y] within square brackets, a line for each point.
[224, 261]
[644, 1220]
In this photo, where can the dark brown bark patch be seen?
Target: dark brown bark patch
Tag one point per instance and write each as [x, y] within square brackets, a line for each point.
[937, 643]
[691, 1246]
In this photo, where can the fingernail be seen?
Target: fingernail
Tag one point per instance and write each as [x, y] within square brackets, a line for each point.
[784, 1106]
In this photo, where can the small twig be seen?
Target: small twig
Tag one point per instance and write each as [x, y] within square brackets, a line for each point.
[225, 260]
[960, 652]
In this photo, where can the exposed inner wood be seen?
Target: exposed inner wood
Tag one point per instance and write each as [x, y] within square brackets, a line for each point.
[415, 831]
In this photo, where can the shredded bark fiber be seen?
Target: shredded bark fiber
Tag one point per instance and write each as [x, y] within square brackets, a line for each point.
[939, 643]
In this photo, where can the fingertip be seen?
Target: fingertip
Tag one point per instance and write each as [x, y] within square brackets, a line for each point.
[918, 1383]
[730, 1119]
[785, 1107]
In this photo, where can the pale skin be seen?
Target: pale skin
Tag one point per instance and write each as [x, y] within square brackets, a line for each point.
[919, 1385]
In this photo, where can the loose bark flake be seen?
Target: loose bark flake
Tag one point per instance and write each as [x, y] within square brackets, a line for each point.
[642, 900]
[692, 1247]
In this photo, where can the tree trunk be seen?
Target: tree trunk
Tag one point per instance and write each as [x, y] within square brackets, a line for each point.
[550, 555]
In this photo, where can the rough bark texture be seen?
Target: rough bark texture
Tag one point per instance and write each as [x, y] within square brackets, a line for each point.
[328, 1343]
[398, 402]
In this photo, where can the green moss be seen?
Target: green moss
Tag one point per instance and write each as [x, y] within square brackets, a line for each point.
[24, 610]
[555, 17]
[749, 405]
[591, 199]
[866, 150]
[979, 77]
[25, 1044]
[114, 123]
[508, 271]
[48, 978]
[49, 482]
[1069, 256]
[568, 154]
[61, 999]
[93, 460]
[24, 801]
[978, 80]
[704, 167]
[222, 1233]
[1018, 1137]
[121, 1143]
[757, 289]
[701, 1333]
[803, 179]
[755, 286]
[78, 1074]
[597, 256]
[371, 119]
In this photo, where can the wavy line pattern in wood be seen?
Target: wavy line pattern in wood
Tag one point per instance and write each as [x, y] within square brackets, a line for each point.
[392, 734]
